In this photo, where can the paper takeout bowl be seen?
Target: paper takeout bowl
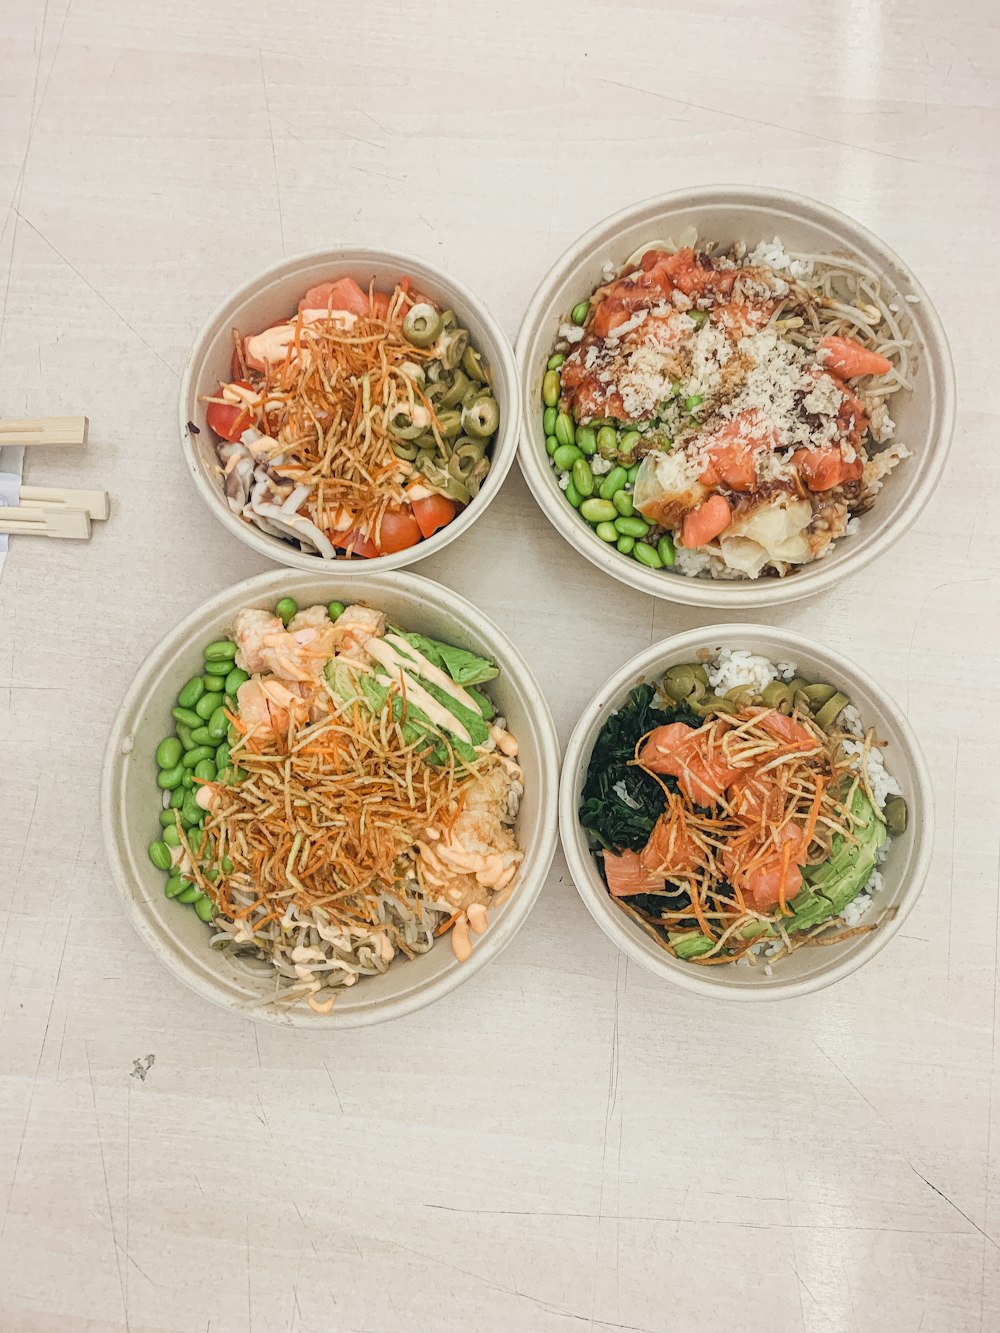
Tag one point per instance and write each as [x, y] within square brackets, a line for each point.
[130, 801]
[903, 872]
[273, 295]
[924, 418]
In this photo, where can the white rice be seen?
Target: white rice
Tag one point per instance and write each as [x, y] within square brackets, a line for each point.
[856, 909]
[693, 562]
[882, 783]
[740, 667]
[774, 255]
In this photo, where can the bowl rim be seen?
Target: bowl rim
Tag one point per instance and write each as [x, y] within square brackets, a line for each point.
[114, 823]
[652, 660]
[737, 595]
[504, 448]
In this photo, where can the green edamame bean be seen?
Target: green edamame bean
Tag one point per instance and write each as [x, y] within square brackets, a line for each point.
[694, 401]
[176, 798]
[218, 724]
[234, 680]
[625, 545]
[191, 811]
[220, 650]
[191, 692]
[627, 443]
[551, 445]
[573, 495]
[623, 502]
[204, 909]
[216, 669]
[196, 755]
[167, 818]
[555, 361]
[565, 431]
[334, 610]
[607, 442]
[613, 482]
[586, 439]
[565, 456]
[583, 478]
[549, 420]
[665, 550]
[168, 752]
[211, 876]
[580, 312]
[598, 511]
[186, 715]
[607, 532]
[207, 705]
[647, 555]
[184, 735]
[633, 471]
[187, 780]
[169, 778]
[174, 886]
[159, 854]
[285, 609]
[171, 837]
[201, 735]
[551, 388]
[189, 894]
[212, 682]
[896, 816]
[205, 769]
[222, 755]
[631, 526]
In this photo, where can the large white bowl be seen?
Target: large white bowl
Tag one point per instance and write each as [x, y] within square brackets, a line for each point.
[130, 804]
[903, 872]
[925, 418]
[271, 296]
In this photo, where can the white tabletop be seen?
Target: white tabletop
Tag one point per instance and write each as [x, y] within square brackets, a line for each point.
[566, 1144]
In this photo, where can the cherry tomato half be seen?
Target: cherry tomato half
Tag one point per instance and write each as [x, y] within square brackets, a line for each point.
[228, 420]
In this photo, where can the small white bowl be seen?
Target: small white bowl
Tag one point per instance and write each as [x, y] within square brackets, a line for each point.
[903, 872]
[273, 295]
[924, 418]
[130, 804]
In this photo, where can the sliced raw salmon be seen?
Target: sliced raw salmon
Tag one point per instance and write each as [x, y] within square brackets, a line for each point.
[822, 469]
[849, 359]
[626, 875]
[682, 752]
[670, 850]
[706, 522]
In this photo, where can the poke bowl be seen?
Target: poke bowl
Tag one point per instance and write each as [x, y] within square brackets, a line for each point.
[733, 397]
[355, 407]
[745, 813]
[327, 803]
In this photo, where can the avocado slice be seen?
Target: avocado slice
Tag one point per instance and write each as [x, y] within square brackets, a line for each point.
[848, 868]
[827, 887]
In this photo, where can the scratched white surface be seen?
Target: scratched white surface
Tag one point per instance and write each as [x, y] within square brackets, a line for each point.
[566, 1144]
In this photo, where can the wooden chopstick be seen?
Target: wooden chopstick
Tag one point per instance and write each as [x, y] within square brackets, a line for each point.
[38, 522]
[44, 430]
[62, 497]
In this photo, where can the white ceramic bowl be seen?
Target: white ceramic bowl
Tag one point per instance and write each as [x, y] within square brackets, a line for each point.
[272, 295]
[903, 872]
[924, 418]
[130, 805]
